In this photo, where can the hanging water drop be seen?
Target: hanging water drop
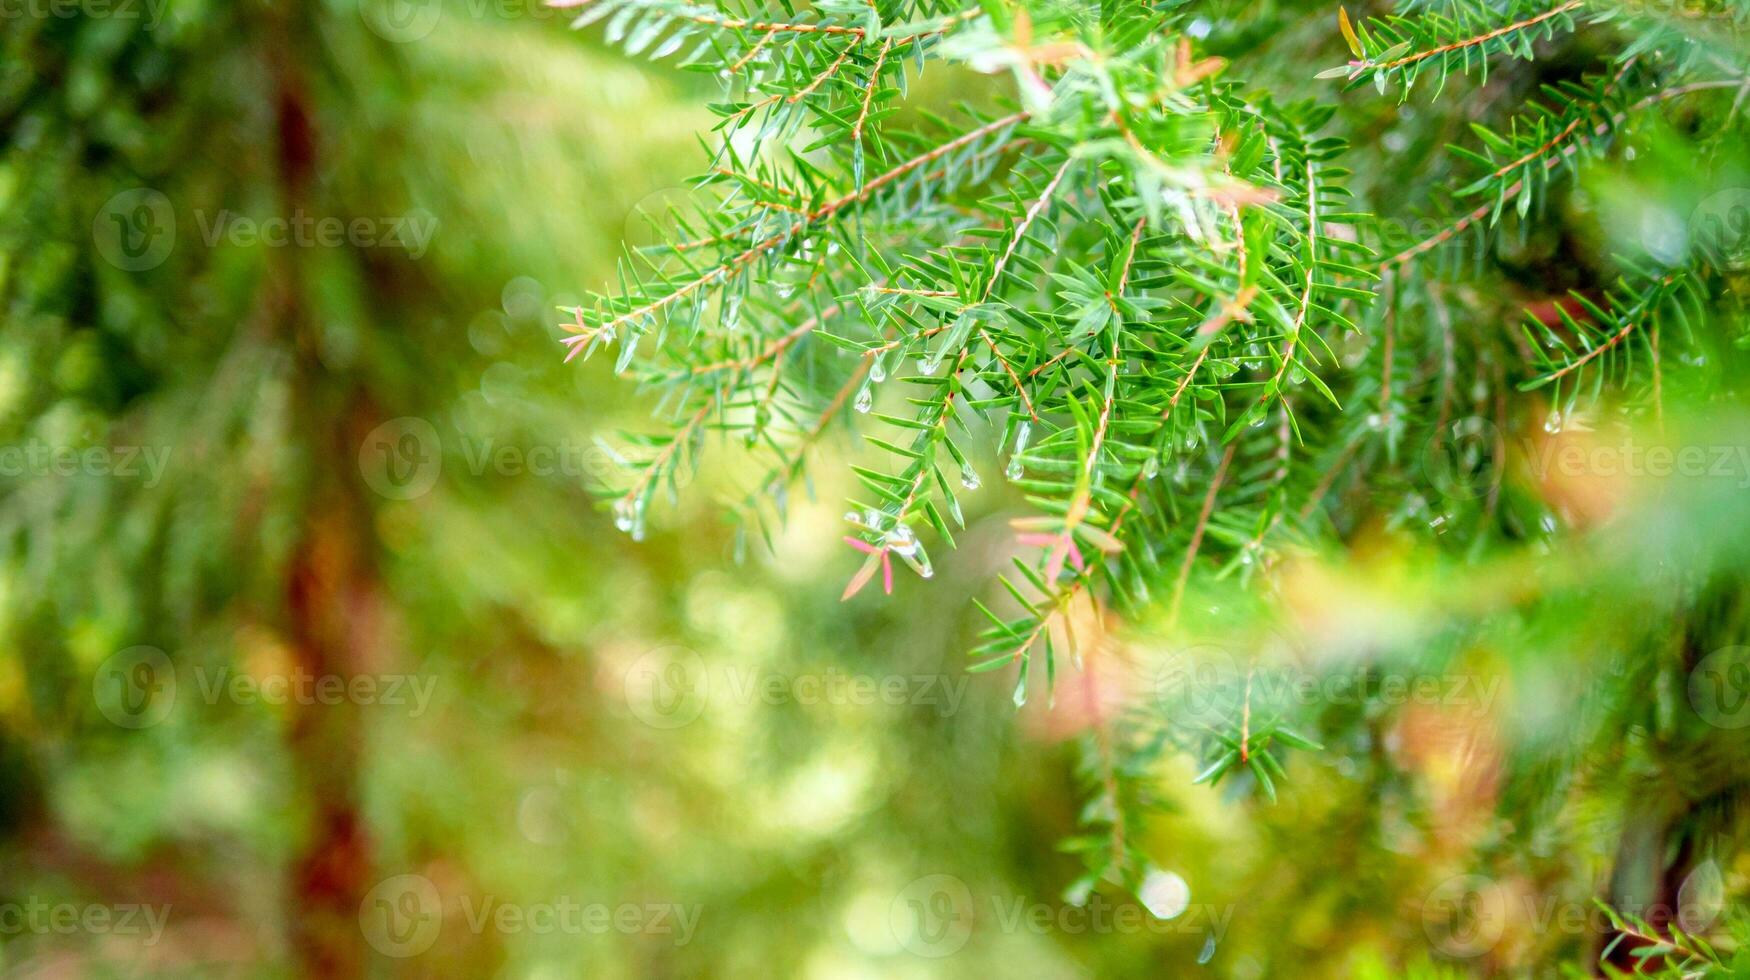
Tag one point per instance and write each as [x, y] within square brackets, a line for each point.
[878, 368]
[1375, 421]
[638, 519]
[1208, 952]
[1151, 468]
[865, 399]
[1554, 422]
[968, 476]
[623, 514]
[1023, 432]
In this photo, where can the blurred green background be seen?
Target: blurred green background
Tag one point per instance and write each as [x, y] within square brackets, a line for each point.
[256, 519]
[319, 659]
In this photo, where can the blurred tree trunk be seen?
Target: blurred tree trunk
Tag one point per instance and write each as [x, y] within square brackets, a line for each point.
[332, 595]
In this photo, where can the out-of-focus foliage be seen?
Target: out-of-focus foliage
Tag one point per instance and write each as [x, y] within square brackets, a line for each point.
[1333, 397]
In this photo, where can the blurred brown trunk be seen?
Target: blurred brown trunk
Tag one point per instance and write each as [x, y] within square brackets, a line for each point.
[331, 598]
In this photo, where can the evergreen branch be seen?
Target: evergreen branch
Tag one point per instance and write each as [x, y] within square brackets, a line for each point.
[1567, 150]
[1471, 42]
[1197, 532]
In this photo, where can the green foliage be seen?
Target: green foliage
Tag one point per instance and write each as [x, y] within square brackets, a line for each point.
[1165, 300]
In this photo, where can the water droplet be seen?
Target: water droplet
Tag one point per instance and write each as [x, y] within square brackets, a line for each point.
[1151, 468]
[1701, 898]
[732, 312]
[865, 399]
[1375, 421]
[901, 541]
[1554, 422]
[1208, 951]
[968, 476]
[1164, 894]
[1014, 470]
[878, 368]
[623, 514]
[929, 363]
